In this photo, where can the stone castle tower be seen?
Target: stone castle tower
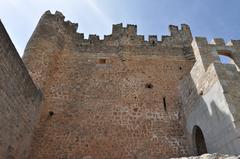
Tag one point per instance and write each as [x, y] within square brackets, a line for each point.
[120, 97]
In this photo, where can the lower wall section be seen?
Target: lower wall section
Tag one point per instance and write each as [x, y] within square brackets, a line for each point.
[19, 102]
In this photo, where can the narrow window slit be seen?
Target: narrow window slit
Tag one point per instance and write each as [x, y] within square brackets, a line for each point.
[164, 104]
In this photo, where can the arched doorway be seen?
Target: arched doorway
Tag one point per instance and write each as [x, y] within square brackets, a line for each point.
[199, 141]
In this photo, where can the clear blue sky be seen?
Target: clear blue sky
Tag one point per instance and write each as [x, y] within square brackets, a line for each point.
[209, 18]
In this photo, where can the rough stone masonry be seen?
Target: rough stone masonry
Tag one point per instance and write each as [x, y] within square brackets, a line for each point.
[118, 97]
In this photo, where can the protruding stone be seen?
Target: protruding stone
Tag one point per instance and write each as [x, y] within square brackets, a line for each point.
[185, 27]
[234, 43]
[173, 30]
[48, 12]
[117, 29]
[200, 41]
[218, 41]
[59, 15]
[132, 30]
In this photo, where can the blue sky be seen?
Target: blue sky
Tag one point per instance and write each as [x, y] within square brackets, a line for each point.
[209, 18]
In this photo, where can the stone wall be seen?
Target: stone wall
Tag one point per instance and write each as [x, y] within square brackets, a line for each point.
[110, 98]
[211, 96]
[117, 97]
[19, 102]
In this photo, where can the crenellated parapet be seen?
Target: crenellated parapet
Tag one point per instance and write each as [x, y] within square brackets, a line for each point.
[234, 43]
[59, 20]
[128, 36]
[46, 43]
[216, 42]
[119, 30]
[53, 30]
[54, 34]
[208, 52]
[120, 35]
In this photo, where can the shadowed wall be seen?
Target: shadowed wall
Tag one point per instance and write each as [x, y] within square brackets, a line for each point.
[19, 102]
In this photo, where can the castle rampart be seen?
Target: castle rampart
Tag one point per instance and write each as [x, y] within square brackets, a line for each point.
[121, 89]
[117, 97]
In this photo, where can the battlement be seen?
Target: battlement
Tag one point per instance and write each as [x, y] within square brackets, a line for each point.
[207, 53]
[131, 32]
[234, 43]
[118, 30]
[120, 35]
[59, 18]
[202, 41]
[118, 96]
[174, 30]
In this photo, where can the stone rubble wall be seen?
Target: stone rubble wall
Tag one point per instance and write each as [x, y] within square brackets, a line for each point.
[110, 98]
[19, 102]
[117, 97]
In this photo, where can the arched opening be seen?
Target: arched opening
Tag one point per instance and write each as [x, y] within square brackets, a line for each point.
[226, 57]
[199, 141]
[225, 53]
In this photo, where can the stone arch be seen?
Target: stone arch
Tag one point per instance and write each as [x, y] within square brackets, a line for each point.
[226, 57]
[199, 144]
[226, 54]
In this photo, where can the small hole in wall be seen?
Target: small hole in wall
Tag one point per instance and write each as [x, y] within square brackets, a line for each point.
[153, 43]
[149, 85]
[77, 139]
[10, 149]
[135, 109]
[164, 104]
[102, 61]
[50, 113]
[180, 68]
[201, 92]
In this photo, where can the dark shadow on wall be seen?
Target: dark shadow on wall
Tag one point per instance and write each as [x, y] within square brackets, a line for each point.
[20, 102]
[198, 141]
[204, 114]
